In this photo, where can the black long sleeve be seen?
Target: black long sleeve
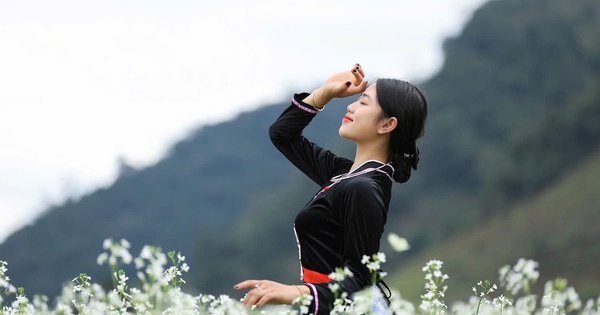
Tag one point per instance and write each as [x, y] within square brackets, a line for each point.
[286, 134]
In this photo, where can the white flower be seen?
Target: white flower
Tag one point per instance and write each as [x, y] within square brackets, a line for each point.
[146, 252]
[124, 254]
[336, 276]
[373, 266]
[433, 265]
[398, 243]
[107, 243]
[348, 272]
[380, 257]
[139, 263]
[125, 243]
[333, 287]
[102, 258]
[365, 259]
[340, 274]
[501, 302]
[185, 267]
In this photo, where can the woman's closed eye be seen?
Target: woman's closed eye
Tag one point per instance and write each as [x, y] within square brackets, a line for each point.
[361, 99]
[364, 99]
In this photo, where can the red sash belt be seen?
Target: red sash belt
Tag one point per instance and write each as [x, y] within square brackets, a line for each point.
[310, 276]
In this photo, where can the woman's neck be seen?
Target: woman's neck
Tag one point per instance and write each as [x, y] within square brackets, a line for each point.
[365, 153]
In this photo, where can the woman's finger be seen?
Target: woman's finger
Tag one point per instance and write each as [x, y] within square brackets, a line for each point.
[358, 77]
[352, 89]
[254, 296]
[359, 69]
[256, 293]
[246, 284]
[250, 299]
[264, 299]
[363, 86]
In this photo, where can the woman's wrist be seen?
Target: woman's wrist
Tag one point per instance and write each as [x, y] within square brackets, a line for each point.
[316, 100]
[302, 289]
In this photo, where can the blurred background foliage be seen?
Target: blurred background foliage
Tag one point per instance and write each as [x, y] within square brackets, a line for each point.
[510, 167]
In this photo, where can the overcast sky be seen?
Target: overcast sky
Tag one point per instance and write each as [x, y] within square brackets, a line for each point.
[83, 83]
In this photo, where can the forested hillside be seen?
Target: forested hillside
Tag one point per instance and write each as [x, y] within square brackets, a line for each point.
[557, 227]
[514, 109]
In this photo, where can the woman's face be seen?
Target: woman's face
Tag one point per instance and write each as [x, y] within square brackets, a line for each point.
[362, 121]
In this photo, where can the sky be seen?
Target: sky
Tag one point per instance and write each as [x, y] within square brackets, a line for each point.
[84, 84]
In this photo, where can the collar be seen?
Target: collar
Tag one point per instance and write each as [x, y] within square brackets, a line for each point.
[373, 165]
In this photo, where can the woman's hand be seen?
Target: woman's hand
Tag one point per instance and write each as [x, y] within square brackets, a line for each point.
[342, 84]
[269, 292]
[345, 83]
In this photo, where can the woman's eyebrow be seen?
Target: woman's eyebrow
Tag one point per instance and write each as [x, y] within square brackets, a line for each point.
[366, 95]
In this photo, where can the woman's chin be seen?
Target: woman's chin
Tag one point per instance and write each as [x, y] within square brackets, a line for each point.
[344, 133]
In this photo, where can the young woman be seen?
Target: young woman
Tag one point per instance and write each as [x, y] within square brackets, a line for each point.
[345, 220]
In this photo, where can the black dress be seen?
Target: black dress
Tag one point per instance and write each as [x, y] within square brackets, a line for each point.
[345, 219]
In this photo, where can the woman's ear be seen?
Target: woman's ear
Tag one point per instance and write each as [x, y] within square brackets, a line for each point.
[388, 125]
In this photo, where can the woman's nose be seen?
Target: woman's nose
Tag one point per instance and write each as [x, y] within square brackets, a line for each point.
[350, 107]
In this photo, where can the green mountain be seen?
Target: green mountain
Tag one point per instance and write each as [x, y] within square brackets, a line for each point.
[514, 109]
[557, 227]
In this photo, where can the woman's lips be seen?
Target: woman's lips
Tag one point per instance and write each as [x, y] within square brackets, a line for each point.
[347, 119]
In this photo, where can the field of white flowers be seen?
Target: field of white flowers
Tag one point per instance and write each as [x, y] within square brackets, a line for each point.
[161, 279]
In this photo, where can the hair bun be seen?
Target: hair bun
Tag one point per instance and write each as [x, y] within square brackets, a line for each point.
[414, 158]
[411, 158]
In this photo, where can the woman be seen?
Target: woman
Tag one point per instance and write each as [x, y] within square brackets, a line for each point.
[345, 220]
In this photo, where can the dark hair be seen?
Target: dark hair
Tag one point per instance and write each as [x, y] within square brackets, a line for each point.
[408, 104]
